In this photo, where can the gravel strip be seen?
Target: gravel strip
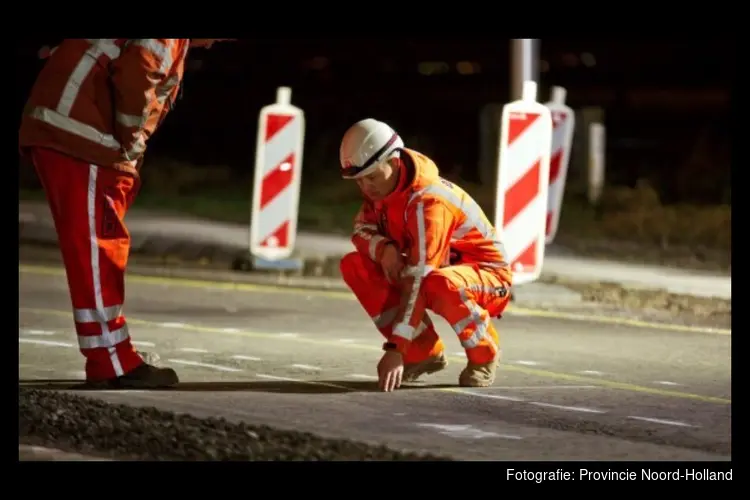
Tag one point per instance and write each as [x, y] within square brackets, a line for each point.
[86, 425]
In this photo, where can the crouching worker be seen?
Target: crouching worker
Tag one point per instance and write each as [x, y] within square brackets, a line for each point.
[422, 243]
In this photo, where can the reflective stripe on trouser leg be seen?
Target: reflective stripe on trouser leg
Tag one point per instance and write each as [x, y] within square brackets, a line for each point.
[101, 314]
[473, 329]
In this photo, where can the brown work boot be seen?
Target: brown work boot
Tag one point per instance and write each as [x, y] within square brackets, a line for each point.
[478, 375]
[145, 376]
[412, 371]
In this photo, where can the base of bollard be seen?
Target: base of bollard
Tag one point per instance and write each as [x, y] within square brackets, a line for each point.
[253, 263]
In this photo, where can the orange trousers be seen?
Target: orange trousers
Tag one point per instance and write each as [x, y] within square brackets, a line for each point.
[466, 296]
[88, 204]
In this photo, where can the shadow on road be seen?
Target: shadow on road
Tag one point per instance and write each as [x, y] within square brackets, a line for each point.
[271, 386]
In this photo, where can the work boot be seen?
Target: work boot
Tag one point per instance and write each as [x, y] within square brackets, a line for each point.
[412, 371]
[478, 375]
[145, 376]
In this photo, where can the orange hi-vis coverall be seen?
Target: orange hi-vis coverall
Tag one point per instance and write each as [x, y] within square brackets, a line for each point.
[455, 265]
[85, 126]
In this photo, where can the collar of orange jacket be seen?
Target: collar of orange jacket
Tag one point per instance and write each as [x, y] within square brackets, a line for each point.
[416, 171]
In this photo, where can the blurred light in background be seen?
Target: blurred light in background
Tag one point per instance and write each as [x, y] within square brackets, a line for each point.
[433, 68]
[588, 59]
[468, 68]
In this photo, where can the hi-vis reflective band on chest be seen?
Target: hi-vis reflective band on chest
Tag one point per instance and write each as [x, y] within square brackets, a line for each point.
[523, 176]
[278, 164]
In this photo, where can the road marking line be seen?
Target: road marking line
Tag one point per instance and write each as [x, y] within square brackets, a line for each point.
[143, 343]
[242, 357]
[204, 365]
[539, 387]
[193, 349]
[288, 335]
[300, 381]
[38, 332]
[591, 372]
[346, 295]
[173, 325]
[666, 382]
[525, 363]
[661, 421]
[347, 341]
[567, 408]
[465, 431]
[515, 399]
[306, 367]
[51, 343]
[611, 384]
[230, 330]
[362, 376]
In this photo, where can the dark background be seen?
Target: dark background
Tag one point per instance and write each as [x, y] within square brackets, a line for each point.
[666, 103]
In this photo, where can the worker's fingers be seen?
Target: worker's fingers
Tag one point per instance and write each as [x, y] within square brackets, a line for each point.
[397, 379]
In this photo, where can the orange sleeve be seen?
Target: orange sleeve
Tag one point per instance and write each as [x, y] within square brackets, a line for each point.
[142, 65]
[429, 224]
[366, 236]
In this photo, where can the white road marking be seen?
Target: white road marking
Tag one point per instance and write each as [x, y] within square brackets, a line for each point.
[50, 343]
[347, 341]
[231, 330]
[459, 353]
[491, 396]
[399, 414]
[567, 408]
[193, 349]
[543, 387]
[39, 332]
[143, 343]
[289, 335]
[661, 421]
[666, 382]
[465, 431]
[205, 365]
[173, 325]
[242, 357]
[591, 372]
[306, 367]
[78, 374]
[363, 376]
[301, 381]
[525, 363]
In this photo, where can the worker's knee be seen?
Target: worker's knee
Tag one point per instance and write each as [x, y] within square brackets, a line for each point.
[350, 267]
[436, 288]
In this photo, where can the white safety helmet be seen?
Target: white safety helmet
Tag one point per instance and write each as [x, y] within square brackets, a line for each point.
[366, 144]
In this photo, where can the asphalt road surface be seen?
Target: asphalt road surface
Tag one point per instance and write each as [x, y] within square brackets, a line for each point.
[305, 360]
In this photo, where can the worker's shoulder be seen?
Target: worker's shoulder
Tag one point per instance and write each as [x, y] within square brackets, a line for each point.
[441, 187]
[441, 191]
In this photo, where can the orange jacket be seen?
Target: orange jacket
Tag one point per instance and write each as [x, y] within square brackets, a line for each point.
[435, 223]
[100, 100]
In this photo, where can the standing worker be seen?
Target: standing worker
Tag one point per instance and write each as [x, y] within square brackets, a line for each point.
[85, 128]
[421, 243]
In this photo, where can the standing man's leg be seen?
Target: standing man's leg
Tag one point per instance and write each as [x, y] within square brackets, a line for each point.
[381, 301]
[88, 205]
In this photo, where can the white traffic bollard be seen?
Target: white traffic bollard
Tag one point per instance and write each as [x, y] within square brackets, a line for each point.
[563, 123]
[522, 181]
[596, 163]
[278, 172]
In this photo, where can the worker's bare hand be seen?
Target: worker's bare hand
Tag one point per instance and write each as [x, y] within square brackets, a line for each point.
[390, 371]
[392, 263]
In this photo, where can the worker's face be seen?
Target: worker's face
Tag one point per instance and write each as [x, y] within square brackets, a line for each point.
[379, 183]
